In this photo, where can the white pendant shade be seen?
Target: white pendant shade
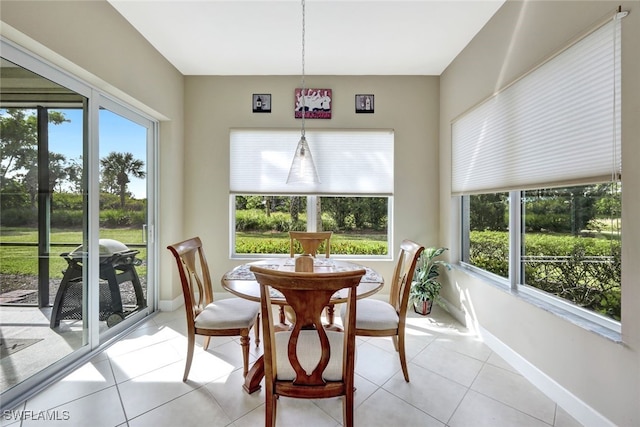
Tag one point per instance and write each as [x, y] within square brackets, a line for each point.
[303, 170]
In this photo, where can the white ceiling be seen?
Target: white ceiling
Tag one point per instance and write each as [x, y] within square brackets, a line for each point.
[264, 37]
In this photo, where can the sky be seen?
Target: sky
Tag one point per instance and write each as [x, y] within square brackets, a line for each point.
[116, 134]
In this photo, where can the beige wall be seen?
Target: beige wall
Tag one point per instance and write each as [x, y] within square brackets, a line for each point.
[213, 105]
[602, 374]
[92, 41]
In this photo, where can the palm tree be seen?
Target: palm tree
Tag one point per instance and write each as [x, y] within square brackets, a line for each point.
[116, 168]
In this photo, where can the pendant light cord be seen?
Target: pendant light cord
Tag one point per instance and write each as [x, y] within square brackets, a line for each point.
[302, 93]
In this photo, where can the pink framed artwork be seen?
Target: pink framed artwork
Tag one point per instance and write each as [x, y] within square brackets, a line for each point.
[316, 103]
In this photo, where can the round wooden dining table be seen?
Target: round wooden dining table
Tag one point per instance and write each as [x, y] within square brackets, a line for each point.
[241, 282]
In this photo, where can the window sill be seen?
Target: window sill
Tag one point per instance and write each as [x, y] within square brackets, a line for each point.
[576, 315]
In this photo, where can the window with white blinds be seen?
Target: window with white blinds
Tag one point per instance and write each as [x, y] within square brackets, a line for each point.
[558, 125]
[349, 162]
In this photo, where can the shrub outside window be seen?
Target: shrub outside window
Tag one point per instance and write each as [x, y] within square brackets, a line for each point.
[571, 242]
[359, 224]
[487, 241]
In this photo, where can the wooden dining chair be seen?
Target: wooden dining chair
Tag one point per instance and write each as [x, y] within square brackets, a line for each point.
[206, 316]
[310, 242]
[376, 318]
[308, 361]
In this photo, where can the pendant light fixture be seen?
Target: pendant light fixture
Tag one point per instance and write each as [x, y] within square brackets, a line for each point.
[303, 170]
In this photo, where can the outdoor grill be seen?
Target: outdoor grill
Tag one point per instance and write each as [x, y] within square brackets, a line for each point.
[117, 266]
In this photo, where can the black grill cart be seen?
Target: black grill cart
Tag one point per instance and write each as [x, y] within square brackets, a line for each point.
[117, 266]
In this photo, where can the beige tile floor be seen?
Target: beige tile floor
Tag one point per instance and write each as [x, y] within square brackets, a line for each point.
[456, 381]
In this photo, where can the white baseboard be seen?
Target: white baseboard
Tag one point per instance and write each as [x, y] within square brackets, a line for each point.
[578, 409]
[458, 314]
[171, 305]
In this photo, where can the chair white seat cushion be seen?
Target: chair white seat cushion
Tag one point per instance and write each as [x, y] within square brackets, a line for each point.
[374, 315]
[309, 352]
[228, 313]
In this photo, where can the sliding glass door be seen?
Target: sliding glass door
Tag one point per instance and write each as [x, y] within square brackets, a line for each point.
[43, 216]
[125, 140]
[77, 213]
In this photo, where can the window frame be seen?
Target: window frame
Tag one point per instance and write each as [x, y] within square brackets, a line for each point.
[513, 284]
[335, 152]
[488, 139]
[311, 226]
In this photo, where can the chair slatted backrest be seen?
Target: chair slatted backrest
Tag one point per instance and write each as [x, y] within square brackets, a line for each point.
[403, 275]
[307, 294]
[194, 274]
[310, 242]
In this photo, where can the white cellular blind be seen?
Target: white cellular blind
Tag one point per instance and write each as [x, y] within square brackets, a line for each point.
[349, 162]
[557, 125]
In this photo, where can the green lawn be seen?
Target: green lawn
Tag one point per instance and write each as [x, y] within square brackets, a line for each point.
[23, 260]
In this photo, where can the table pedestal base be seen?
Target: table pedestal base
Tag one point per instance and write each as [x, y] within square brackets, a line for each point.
[254, 376]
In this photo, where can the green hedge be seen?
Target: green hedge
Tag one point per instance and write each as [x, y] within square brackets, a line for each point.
[257, 220]
[67, 211]
[16, 217]
[585, 271]
[65, 218]
[280, 245]
[115, 218]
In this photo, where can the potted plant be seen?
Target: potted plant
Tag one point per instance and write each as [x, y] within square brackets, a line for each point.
[425, 287]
